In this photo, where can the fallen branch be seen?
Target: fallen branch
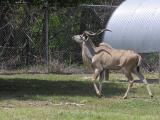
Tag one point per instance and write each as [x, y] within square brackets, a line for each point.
[69, 103]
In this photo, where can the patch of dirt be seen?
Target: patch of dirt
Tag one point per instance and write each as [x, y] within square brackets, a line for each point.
[31, 103]
[35, 103]
[7, 106]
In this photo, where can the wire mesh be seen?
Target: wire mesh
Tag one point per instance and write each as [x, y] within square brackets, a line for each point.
[22, 46]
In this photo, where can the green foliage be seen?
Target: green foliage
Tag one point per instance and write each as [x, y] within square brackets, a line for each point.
[61, 3]
[64, 22]
[38, 26]
[54, 22]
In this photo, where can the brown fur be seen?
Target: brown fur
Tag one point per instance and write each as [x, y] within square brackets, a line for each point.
[102, 47]
[119, 59]
[126, 60]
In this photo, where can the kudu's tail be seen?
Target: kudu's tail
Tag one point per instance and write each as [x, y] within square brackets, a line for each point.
[139, 62]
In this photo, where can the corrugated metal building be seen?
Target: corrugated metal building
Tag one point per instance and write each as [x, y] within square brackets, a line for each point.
[135, 24]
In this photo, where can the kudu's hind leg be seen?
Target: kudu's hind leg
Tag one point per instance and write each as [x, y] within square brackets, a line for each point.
[95, 76]
[106, 75]
[141, 77]
[130, 84]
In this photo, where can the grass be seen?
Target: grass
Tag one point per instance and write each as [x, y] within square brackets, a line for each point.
[72, 97]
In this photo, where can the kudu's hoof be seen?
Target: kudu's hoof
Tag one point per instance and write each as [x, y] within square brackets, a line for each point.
[151, 96]
[100, 95]
[125, 97]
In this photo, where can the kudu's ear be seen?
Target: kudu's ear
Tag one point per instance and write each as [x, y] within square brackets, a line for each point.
[84, 36]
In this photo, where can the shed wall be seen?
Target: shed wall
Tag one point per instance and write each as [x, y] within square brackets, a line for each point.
[135, 24]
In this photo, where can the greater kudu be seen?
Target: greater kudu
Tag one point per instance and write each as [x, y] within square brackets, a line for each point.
[105, 57]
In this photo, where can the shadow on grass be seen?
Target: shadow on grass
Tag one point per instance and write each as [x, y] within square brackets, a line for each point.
[150, 81]
[26, 89]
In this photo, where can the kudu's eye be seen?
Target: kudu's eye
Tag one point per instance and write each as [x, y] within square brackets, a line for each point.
[81, 36]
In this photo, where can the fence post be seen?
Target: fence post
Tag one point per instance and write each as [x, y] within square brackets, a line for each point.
[45, 37]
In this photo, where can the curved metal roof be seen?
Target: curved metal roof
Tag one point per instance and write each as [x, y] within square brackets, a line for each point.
[135, 24]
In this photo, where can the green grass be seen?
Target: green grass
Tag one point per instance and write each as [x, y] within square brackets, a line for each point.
[72, 97]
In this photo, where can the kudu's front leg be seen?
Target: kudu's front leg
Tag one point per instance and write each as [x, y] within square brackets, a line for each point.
[104, 75]
[94, 78]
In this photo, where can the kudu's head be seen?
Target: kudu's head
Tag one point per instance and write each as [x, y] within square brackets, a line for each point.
[85, 36]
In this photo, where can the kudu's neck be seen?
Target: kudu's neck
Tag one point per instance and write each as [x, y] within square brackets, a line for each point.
[89, 49]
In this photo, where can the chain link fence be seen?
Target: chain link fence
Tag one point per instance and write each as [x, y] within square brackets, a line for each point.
[23, 46]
